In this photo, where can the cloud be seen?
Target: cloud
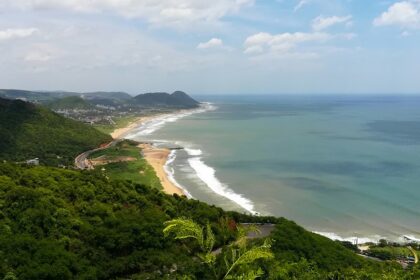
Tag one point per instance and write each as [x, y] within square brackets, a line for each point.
[94, 52]
[321, 23]
[280, 43]
[301, 4]
[405, 14]
[158, 12]
[254, 49]
[41, 53]
[37, 57]
[212, 43]
[11, 33]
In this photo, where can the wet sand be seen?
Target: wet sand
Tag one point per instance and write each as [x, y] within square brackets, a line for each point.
[157, 158]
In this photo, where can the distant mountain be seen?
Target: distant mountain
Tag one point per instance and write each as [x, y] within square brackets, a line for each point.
[178, 99]
[106, 95]
[31, 131]
[46, 96]
[25, 95]
[71, 102]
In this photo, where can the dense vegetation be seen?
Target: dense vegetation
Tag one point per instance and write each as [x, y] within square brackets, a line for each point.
[68, 224]
[178, 99]
[70, 102]
[392, 251]
[48, 96]
[30, 131]
[63, 224]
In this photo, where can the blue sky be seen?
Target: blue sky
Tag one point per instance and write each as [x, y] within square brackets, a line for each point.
[211, 47]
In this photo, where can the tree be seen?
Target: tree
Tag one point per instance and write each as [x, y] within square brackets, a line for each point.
[238, 259]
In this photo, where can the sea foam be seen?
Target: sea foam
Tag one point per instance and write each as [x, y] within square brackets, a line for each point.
[368, 239]
[170, 173]
[156, 123]
[204, 172]
[353, 239]
[207, 174]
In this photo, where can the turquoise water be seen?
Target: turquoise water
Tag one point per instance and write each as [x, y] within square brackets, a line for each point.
[347, 165]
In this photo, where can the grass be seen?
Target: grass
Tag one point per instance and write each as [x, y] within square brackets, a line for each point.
[124, 148]
[138, 171]
[393, 252]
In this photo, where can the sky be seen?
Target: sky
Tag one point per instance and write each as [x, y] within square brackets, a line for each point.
[211, 47]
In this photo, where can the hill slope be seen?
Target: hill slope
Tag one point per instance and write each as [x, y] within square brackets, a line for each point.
[63, 224]
[70, 102]
[30, 131]
[48, 96]
[106, 95]
[178, 99]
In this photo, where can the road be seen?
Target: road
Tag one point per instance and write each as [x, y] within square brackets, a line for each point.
[416, 258]
[264, 231]
[82, 162]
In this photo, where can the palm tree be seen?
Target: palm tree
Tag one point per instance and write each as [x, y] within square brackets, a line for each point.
[239, 258]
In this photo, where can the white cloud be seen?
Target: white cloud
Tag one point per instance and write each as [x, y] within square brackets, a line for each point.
[11, 33]
[86, 46]
[159, 12]
[321, 22]
[41, 53]
[254, 50]
[301, 4]
[281, 43]
[37, 57]
[405, 14]
[212, 43]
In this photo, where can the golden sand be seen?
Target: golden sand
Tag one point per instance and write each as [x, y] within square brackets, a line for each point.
[157, 158]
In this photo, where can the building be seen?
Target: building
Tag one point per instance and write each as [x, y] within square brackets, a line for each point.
[34, 161]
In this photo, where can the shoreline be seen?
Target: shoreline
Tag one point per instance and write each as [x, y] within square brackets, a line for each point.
[119, 133]
[155, 157]
[158, 159]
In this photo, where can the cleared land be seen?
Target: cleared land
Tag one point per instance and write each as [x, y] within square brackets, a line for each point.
[125, 162]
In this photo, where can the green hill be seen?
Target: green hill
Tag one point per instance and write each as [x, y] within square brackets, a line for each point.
[70, 102]
[63, 224]
[30, 131]
[178, 99]
[119, 96]
[68, 224]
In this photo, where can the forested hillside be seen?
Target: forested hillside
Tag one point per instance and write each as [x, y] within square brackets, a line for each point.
[67, 224]
[30, 131]
[62, 224]
[71, 102]
[177, 99]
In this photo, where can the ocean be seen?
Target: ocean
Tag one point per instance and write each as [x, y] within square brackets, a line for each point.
[344, 166]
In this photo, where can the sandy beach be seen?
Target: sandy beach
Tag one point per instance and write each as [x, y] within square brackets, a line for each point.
[120, 132]
[157, 158]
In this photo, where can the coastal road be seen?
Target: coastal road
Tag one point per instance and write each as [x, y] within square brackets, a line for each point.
[416, 258]
[82, 161]
[264, 231]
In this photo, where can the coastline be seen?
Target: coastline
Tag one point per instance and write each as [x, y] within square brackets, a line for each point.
[156, 157]
[119, 133]
[159, 158]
